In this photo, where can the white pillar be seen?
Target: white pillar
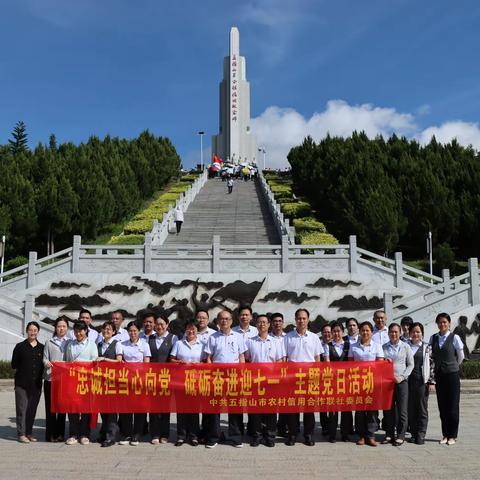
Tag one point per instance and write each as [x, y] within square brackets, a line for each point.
[32, 265]
[353, 258]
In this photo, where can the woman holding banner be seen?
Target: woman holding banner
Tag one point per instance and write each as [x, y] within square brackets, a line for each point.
[133, 350]
[366, 350]
[53, 352]
[81, 349]
[188, 350]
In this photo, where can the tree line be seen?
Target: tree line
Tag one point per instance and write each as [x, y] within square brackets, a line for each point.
[55, 191]
[390, 193]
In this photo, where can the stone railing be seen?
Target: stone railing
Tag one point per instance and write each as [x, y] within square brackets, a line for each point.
[282, 224]
[160, 230]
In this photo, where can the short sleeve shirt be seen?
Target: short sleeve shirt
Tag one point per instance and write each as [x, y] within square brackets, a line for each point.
[104, 346]
[225, 348]
[365, 353]
[264, 350]
[380, 336]
[250, 333]
[183, 350]
[135, 352]
[302, 348]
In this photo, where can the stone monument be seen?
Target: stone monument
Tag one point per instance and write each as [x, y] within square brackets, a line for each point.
[235, 141]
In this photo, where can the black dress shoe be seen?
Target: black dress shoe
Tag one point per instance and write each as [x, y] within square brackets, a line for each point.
[290, 442]
[420, 440]
[309, 442]
[254, 443]
[332, 440]
[108, 443]
[270, 443]
[179, 443]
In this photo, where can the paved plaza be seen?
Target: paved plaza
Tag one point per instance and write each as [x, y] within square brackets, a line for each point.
[340, 461]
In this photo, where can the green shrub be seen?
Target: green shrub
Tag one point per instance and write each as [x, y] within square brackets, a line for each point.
[127, 240]
[310, 224]
[316, 238]
[178, 188]
[6, 370]
[296, 210]
[189, 178]
[285, 200]
[470, 369]
[15, 262]
[444, 257]
[136, 227]
[168, 197]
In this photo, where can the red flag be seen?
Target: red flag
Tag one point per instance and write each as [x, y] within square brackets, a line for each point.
[217, 159]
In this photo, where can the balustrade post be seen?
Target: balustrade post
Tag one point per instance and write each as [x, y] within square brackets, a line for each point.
[285, 252]
[353, 254]
[28, 311]
[474, 281]
[77, 240]
[147, 253]
[398, 270]
[216, 254]
[32, 266]
[388, 306]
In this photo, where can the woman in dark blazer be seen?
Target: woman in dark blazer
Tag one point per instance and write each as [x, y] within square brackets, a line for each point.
[338, 352]
[27, 361]
[161, 345]
[447, 355]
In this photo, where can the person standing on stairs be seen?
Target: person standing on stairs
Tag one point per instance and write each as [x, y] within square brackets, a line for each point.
[230, 184]
[178, 217]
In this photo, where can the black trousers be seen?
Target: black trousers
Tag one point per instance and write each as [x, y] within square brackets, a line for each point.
[417, 406]
[54, 422]
[346, 424]
[26, 403]
[110, 428]
[324, 422]
[79, 424]
[188, 426]
[235, 424]
[448, 399]
[131, 424]
[159, 425]
[282, 423]
[263, 425]
[396, 419]
[179, 226]
[366, 423]
[308, 424]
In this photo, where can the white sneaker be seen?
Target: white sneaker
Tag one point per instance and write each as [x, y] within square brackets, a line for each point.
[124, 441]
[443, 441]
[155, 441]
[84, 441]
[211, 445]
[451, 441]
[71, 441]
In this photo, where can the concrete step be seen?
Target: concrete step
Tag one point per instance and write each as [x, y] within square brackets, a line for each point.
[241, 217]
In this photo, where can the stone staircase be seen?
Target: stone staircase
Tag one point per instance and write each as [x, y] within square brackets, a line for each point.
[239, 218]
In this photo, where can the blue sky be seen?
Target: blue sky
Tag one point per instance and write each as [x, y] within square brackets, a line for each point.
[82, 67]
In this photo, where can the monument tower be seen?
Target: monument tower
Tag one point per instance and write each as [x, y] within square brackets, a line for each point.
[235, 140]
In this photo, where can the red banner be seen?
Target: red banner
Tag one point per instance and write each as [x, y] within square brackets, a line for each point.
[106, 387]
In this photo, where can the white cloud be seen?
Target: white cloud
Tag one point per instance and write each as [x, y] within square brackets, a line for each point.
[465, 133]
[279, 129]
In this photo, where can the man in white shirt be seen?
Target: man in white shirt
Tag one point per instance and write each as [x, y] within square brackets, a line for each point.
[204, 331]
[117, 318]
[302, 345]
[245, 316]
[148, 326]
[277, 333]
[380, 331]
[225, 346]
[86, 316]
[263, 349]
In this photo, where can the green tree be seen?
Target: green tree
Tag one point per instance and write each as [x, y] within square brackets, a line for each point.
[19, 141]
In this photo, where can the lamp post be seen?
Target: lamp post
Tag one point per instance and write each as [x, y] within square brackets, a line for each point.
[201, 133]
[264, 152]
[430, 251]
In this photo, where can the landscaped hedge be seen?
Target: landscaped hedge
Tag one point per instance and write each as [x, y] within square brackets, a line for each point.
[470, 369]
[316, 238]
[137, 227]
[6, 370]
[127, 240]
[309, 223]
[296, 210]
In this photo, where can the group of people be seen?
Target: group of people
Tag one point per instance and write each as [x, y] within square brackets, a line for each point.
[418, 365]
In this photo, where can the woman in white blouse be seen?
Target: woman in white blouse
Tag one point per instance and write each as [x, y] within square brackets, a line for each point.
[366, 350]
[133, 350]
